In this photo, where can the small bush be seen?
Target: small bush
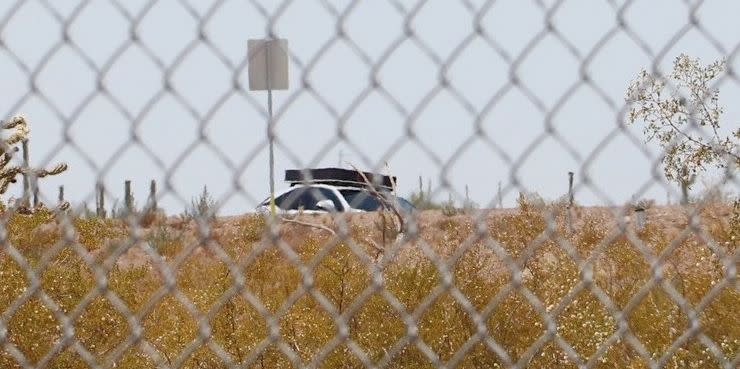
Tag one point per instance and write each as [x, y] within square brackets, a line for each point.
[165, 241]
[93, 233]
[448, 207]
[422, 199]
[203, 207]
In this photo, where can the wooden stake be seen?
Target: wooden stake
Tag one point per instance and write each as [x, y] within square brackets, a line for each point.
[640, 218]
[570, 189]
[129, 198]
[153, 195]
[26, 182]
[100, 201]
[421, 191]
[569, 207]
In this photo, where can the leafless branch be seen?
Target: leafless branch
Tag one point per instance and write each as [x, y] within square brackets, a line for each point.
[311, 225]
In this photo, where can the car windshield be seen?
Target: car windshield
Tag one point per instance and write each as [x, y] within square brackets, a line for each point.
[306, 198]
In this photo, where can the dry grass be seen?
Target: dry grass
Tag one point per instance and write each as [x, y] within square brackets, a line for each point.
[273, 270]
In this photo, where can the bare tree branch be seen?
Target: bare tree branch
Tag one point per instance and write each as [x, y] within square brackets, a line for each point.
[311, 225]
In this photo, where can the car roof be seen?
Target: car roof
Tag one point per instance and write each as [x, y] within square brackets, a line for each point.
[340, 177]
[322, 185]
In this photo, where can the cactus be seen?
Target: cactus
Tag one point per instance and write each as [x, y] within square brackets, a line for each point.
[9, 145]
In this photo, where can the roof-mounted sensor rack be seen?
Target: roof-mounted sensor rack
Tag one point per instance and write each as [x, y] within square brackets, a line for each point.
[339, 177]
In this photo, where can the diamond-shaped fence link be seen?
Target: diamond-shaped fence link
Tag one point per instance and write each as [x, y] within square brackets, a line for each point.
[160, 88]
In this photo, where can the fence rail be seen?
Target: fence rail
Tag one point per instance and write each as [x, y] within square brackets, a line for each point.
[494, 278]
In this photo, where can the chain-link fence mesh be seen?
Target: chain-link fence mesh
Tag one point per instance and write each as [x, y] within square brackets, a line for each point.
[513, 281]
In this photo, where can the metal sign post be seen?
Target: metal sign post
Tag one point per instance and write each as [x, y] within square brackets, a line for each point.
[268, 70]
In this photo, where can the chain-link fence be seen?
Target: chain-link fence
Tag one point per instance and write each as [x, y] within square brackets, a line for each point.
[499, 105]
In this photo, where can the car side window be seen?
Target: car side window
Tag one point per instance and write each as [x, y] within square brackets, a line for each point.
[361, 200]
[289, 200]
[405, 204]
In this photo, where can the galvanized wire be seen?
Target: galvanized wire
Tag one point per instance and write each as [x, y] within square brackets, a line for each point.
[272, 15]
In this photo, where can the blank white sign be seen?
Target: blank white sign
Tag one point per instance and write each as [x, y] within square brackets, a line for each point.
[268, 55]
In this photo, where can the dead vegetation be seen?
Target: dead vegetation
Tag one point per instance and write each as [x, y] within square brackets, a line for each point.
[484, 253]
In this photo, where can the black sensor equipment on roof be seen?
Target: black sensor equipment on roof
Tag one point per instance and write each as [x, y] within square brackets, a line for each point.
[338, 177]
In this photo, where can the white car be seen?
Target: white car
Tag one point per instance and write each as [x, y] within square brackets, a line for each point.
[323, 198]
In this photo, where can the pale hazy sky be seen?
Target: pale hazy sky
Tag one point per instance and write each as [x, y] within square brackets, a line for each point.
[164, 105]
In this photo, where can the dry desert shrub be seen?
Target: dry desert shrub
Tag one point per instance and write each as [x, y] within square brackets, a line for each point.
[304, 284]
